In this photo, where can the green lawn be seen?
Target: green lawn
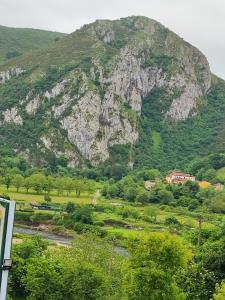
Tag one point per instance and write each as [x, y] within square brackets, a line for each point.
[85, 198]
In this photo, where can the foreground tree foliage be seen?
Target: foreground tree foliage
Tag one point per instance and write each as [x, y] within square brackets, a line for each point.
[220, 292]
[152, 266]
[155, 266]
[197, 282]
[89, 270]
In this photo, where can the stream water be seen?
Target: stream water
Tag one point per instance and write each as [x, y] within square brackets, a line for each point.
[63, 240]
[58, 239]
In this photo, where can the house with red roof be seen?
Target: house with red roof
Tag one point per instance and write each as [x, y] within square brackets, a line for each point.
[178, 177]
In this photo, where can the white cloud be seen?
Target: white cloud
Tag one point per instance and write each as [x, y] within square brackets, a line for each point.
[200, 22]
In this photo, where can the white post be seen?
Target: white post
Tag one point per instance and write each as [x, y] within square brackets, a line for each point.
[7, 252]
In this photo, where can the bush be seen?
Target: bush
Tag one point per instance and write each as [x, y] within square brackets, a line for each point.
[41, 218]
[70, 207]
[193, 204]
[23, 216]
[83, 214]
[171, 221]
[99, 223]
[127, 212]
[81, 228]
[143, 197]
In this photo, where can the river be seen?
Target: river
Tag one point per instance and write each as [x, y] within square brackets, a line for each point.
[58, 239]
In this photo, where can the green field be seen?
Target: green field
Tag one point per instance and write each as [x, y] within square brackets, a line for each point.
[111, 213]
[84, 198]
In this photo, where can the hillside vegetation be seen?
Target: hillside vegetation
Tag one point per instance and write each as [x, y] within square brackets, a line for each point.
[17, 41]
[128, 91]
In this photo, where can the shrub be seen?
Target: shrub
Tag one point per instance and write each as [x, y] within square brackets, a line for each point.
[99, 223]
[83, 215]
[193, 204]
[171, 221]
[127, 212]
[81, 228]
[23, 216]
[70, 207]
[112, 222]
[41, 218]
[143, 197]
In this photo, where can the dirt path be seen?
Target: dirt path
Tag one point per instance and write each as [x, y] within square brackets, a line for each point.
[95, 198]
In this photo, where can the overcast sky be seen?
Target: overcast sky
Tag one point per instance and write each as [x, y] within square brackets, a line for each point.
[200, 22]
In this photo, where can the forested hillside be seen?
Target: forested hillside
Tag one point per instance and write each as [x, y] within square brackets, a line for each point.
[17, 41]
[129, 92]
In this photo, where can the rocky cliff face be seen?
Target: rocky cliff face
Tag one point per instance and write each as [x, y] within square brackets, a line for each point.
[97, 103]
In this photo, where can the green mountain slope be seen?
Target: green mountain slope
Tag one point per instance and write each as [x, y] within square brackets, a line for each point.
[126, 92]
[178, 143]
[17, 41]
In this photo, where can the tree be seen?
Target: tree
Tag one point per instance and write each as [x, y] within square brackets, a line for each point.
[63, 161]
[130, 193]
[193, 204]
[217, 160]
[84, 214]
[184, 201]
[165, 197]
[79, 186]
[159, 194]
[22, 254]
[210, 175]
[143, 196]
[197, 164]
[27, 184]
[212, 257]
[90, 186]
[191, 188]
[113, 190]
[89, 270]
[127, 212]
[152, 265]
[217, 204]
[38, 182]
[49, 184]
[118, 171]
[151, 174]
[197, 282]
[8, 180]
[18, 181]
[172, 221]
[60, 185]
[68, 185]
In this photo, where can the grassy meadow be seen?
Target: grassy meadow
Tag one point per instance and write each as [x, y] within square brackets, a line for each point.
[117, 217]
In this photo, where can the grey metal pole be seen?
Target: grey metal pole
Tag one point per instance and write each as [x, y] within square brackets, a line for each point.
[7, 252]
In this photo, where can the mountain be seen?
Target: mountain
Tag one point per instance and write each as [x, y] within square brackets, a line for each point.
[17, 41]
[128, 91]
